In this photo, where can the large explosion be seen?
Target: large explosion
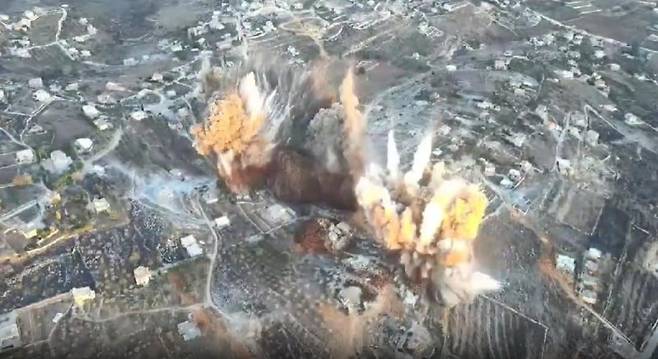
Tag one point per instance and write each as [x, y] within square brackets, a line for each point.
[431, 221]
[243, 132]
[236, 134]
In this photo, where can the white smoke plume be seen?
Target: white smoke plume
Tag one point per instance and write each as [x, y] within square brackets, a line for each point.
[393, 157]
[421, 160]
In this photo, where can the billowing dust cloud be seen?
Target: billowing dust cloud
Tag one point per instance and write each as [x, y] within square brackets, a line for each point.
[249, 129]
[354, 126]
[235, 134]
[429, 219]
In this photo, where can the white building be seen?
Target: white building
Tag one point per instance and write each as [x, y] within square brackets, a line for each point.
[142, 275]
[568, 35]
[632, 119]
[10, 336]
[116, 87]
[592, 266]
[526, 166]
[565, 74]
[518, 139]
[130, 62]
[197, 31]
[489, 169]
[138, 115]
[20, 52]
[224, 45]
[188, 330]
[215, 23]
[542, 112]
[102, 124]
[23, 25]
[500, 65]
[450, 7]
[484, 105]
[506, 182]
[600, 84]
[210, 197]
[563, 166]
[589, 282]
[573, 54]
[72, 87]
[594, 254]
[81, 295]
[222, 222]
[588, 296]
[101, 205]
[351, 298]
[277, 214]
[592, 137]
[90, 111]
[191, 246]
[565, 264]
[177, 173]
[42, 95]
[83, 145]
[58, 162]
[106, 98]
[176, 47]
[609, 107]
[182, 113]
[31, 15]
[579, 119]
[25, 156]
[53, 198]
[57, 317]
[35, 83]
[444, 130]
